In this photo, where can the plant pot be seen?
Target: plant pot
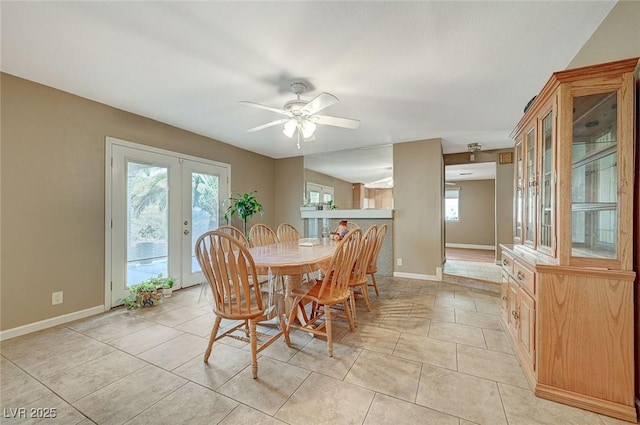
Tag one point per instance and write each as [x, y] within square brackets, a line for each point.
[166, 292]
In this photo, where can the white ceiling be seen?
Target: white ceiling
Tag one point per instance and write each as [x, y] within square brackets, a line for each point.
[460, 71]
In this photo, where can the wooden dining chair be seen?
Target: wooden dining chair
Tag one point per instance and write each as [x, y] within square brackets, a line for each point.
[332, 290]
[373, 265]
[235, 232]
[230, 270]
[261, 235]
[286, 232]
[358, 279]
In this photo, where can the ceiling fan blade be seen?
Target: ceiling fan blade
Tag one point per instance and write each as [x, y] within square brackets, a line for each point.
[267, 125]
[337, 122]
[318, 103]
[310, 139]
[268, 108]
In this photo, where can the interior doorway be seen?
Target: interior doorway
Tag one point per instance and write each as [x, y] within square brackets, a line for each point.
[470, 221]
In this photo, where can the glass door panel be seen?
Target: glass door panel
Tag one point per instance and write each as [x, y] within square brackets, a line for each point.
[147, 221]
[547, 234]
[519, 198]
[530, 223]
[204, 190]
[594, 192]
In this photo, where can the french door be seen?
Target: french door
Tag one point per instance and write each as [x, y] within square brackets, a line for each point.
[159, 203]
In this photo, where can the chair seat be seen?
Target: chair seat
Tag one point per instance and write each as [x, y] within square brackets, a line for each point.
[313, 293]
[243, 314]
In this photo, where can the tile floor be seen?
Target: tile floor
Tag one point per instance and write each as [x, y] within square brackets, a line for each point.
[472, 269]
[427, 353]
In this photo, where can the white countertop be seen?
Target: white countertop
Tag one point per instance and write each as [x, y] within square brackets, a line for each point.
[364, 213]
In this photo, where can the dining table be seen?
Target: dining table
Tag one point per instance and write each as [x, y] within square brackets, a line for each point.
[286, 264]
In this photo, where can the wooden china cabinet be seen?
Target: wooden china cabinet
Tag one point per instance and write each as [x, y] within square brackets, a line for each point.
[568, 279]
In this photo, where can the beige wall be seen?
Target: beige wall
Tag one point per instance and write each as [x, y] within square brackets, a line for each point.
[289, 183]
[343, 190]
[418, 194]
[617, 37]
[477, 214]
[53, 199]
[504, 204]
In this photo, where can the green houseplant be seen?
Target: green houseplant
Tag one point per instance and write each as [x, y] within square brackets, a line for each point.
[245, 206]
[148, 293]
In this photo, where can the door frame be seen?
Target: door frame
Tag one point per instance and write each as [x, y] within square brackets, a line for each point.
[108, 219]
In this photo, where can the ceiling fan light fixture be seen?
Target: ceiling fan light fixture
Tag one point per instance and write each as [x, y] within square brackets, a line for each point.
[290, 128]
[308, 128]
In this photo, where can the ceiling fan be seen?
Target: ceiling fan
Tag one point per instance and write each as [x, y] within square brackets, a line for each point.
[301, 115]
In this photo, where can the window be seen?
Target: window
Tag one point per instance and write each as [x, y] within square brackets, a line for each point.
[451, 198]
[318, 194]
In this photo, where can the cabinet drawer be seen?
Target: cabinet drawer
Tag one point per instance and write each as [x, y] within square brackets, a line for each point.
[525, 277]
[507, 262]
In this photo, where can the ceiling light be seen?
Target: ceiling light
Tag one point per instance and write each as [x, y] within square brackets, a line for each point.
[474, 147]
[307, 128]
[290, 128]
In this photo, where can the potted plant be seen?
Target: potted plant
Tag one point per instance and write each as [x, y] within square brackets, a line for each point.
[167, 289]
[245, 206]
[143, 294]
[149, 292]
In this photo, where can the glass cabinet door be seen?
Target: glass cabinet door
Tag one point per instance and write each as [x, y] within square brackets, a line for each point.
[530, 221]
[594, 192]
[519, 191]
[546, 238]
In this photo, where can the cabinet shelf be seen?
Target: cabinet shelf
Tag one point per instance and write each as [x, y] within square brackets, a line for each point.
[593, 206]
[594, 156]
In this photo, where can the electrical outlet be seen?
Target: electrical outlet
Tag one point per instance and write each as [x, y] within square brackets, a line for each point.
[399, 261]
[56, 298]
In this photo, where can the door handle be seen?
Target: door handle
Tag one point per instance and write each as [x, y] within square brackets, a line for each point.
[186, 232]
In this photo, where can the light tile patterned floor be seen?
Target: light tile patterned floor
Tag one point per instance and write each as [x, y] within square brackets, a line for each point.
[427, 353]
[472, 269]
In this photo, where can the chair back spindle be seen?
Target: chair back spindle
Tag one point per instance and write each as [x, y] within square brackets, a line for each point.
[286, 233]
[261, 235]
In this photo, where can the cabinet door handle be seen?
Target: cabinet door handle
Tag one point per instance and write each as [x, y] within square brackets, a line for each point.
[515, 314]
[504, 298]
[504, 262]
[520, 275]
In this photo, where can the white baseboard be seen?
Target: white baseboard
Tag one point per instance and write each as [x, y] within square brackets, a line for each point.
[48, 323]
[416, 276]
[470, 246]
